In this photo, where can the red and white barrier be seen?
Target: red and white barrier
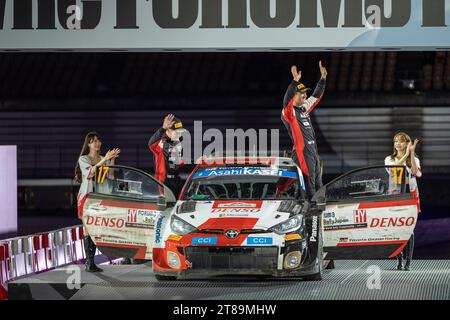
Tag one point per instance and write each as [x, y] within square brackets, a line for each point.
[4, 270]
[38, 253]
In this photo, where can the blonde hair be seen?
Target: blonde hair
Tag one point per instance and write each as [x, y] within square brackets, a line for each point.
[406, 138]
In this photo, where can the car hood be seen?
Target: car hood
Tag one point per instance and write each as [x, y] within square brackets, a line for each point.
[232, 214]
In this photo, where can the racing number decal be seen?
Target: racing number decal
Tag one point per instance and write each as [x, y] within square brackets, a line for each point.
[398, 175]
[102, 171]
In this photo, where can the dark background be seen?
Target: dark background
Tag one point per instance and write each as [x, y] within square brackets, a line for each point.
[49, 101]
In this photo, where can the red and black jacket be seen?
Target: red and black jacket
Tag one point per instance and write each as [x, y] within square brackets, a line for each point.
[298, 122]
[167, 155]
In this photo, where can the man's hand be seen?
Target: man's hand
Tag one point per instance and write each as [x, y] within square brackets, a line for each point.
[168, 121]
[323, 70]
[297, 75]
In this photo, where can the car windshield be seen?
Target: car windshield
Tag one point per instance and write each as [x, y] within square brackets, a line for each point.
[246, 183]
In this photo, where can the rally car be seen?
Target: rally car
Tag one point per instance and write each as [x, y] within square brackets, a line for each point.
[249, 216]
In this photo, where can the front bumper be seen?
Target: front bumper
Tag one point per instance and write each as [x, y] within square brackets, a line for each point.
[201, 261]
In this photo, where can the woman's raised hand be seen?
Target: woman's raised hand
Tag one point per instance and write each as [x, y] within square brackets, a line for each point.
[412, 146]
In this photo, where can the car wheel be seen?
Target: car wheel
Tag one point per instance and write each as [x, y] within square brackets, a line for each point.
[330, 265]
[164, 278]
[317, 276]
[314, 277]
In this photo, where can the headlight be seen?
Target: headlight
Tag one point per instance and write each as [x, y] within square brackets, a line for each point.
[178, 226]
[291, 224]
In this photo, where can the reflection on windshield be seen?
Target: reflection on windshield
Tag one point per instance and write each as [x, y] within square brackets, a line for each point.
[244, 187]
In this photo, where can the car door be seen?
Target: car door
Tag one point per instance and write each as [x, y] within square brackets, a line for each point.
[369, 213]
[120, 213]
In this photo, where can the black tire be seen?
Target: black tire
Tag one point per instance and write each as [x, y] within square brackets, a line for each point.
[314, 277]
[317, 276]
[164, 278]
[330, 265]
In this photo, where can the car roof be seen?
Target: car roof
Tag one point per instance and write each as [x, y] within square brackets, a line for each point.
[213, 161]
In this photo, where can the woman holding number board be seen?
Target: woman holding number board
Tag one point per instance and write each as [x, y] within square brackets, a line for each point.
[404, 154]
[88, 162]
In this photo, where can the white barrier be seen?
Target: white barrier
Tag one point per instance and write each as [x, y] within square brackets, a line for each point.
[21, 256]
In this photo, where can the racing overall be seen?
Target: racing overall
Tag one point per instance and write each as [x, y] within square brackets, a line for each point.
[300, 129]
[167, 156]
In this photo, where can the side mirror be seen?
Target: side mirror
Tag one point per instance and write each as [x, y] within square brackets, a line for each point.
[162, 204]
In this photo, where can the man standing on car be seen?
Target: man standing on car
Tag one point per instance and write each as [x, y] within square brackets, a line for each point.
[295, 116]
[167, 152]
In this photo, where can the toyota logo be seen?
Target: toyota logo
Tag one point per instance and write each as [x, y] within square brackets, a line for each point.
[231, 234]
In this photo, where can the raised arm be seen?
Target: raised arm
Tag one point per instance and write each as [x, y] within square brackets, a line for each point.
[288, 106]
[415, 164]
[315, 98]
[157, 136]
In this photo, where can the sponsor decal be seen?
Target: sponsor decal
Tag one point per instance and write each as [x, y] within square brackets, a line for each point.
[259, 240]
[245, 171]
[158, 229]
[132, 215]
[138, 218]
[105, 222]
[237, 205]
[360, 216]
[329, 215]
[313, 237]
[233, 215]
[235, 208]
[333, 222]
[204, 240]
[392, 222]
[343, 239]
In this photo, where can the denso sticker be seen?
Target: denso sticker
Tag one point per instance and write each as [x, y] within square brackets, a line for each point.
[259, 240]
[204, 240]
[105, 222]
[392, 222]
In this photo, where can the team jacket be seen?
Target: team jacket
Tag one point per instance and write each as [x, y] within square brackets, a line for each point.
[167, 155]
[298, 122]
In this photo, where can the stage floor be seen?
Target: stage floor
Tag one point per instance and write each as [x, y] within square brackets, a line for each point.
[350, 280]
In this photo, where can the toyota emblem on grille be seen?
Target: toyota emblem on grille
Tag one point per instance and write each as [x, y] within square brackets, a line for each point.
[231, 234]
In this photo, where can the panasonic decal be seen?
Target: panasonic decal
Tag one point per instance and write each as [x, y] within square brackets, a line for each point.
[313, 237]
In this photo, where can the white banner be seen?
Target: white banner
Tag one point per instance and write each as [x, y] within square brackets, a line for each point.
[245, 25]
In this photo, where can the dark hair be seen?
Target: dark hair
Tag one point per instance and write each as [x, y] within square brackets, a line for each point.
[404, 136]
[84, 151]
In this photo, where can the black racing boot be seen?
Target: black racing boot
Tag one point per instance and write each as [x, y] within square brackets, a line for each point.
[407, 264]
[400, 261]
[89, 249]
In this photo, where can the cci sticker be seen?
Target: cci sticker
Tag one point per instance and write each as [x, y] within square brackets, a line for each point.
[204, 240]
[259, 240]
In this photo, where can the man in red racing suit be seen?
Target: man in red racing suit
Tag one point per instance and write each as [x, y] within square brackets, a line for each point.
[167, 151]
[295, 116]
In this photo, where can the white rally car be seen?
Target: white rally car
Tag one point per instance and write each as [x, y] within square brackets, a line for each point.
[249, 216]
